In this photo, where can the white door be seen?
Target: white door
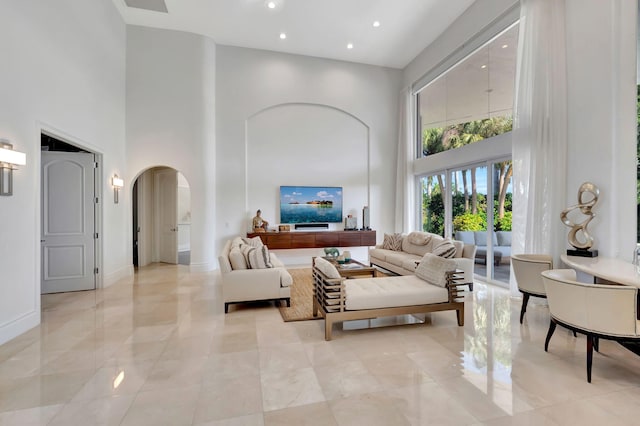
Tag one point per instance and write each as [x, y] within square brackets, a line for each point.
[167, 214]
[68, 222]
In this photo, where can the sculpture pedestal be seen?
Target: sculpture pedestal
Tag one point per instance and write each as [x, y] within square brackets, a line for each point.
[583, 253]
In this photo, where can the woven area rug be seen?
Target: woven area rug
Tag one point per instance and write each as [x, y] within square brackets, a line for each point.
[301, 297]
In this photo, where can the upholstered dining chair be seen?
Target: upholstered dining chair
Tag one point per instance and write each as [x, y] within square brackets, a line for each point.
[598, 311]
[527, 269]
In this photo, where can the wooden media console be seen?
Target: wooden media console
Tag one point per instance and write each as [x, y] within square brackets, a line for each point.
[315, 239]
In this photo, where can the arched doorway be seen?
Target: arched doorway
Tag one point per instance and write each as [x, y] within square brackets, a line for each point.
[161, 217]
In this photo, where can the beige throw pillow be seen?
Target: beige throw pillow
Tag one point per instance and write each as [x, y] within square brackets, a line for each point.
[445, 249]
[433, 269]
[253, 242]
[326, 268]
[237, 259]
[392, 242]
[419, 238]
[259, 258]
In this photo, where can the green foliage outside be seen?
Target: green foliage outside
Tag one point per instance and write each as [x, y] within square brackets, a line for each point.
[469, 222]
[504, 223]
[469, 207]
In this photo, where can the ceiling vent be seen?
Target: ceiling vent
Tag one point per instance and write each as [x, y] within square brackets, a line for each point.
[154, 5]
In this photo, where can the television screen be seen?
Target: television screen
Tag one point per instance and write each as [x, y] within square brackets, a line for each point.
[310, 204]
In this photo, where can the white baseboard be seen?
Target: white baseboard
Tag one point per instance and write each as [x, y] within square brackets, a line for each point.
[115, 276]
[201, 267]
[18, 326]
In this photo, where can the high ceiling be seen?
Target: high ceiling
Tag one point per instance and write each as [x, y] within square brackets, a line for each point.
[314, 28]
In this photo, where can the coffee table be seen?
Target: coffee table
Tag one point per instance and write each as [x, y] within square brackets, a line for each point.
[353, 269]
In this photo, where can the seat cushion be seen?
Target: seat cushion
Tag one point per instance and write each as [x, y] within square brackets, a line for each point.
[396, 258]
[387, 292]
[380, 253]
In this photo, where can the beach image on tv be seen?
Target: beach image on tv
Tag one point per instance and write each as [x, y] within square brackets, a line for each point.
[310, 204]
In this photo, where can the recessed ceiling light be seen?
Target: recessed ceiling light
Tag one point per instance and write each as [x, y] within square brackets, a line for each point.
[283, 36]
[504, 46]
[350, 46]
[271, 5]
[483, 67]
[376, 24]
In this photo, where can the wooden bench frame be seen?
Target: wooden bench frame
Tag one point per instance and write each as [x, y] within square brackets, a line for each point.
[329, 300]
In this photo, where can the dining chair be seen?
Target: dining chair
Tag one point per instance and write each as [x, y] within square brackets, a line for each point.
[595, 310]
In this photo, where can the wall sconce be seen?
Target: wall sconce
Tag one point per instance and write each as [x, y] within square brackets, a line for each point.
[117, 183]
[8, 159]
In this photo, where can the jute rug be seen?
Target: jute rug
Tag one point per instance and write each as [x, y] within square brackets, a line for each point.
[301, 297]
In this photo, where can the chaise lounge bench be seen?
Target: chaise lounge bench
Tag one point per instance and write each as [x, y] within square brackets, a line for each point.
[433, 288]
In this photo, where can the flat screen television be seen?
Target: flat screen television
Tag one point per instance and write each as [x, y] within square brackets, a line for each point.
[310, 204]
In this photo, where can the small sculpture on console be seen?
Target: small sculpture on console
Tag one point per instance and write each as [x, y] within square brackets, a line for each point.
[583, 248]
[259, 224]
[331, 252]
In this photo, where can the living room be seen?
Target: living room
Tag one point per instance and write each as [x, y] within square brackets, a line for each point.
[145, 97]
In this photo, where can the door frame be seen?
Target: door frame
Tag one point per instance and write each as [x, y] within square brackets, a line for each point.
[43, 128]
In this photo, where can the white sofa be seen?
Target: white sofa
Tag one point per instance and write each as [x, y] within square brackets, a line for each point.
[245, 284]
[501, 245]
[404, 262]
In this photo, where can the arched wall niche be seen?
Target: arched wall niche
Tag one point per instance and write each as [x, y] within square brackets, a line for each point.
[305, 144]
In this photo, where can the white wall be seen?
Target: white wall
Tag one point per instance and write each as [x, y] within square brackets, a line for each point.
[346, 98]
[63, 69]
[601, 64]
[171, 119]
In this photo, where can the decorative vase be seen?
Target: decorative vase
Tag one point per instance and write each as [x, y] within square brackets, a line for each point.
[347, 255]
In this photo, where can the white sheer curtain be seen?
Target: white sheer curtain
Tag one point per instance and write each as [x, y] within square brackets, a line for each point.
[540, 131]
[405, 206]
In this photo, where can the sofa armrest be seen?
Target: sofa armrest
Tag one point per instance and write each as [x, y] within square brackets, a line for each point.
[467, 266]
[251, 284]
[469, 251]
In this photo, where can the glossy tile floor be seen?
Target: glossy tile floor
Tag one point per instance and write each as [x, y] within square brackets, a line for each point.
[156, 349]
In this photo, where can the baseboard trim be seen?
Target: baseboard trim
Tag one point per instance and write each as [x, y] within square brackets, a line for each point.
[201, 267]
[115, 276]
[20, 325]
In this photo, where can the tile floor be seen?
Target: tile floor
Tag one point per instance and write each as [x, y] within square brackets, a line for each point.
[157, 349]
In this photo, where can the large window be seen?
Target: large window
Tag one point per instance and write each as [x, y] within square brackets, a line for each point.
[464, 212]
[466, 194]
[471, 101]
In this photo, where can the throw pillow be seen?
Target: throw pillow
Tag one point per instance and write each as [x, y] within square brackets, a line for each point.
[237, 259]
[245, 249]
[445, 249]
[253, 242]
[326, 268]
[419, 238]
[392, 242]
[433, 269]
[236, 242]
[259, 258]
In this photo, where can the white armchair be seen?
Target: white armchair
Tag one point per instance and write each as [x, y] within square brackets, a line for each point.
[598, 311]
[527, 269]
